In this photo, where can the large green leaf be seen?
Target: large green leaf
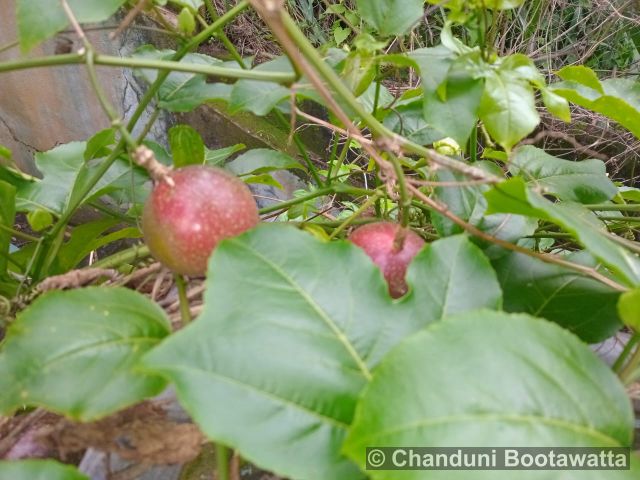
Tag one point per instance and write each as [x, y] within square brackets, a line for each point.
[408, 121]
[445, 277]
[451, 103]
[41, 19]
[187, 147]
[433, 63]
[86, 238]
[578, 303]
[585, 181]
[7, 216]
[257, 97]
[508, 108]
[74, 352]
[616, 98]
[38, 470]
[492, 379]
[261, 97]
[391, 17]
[183, 91]
[290, 333]
[513, 196]
[64, 172]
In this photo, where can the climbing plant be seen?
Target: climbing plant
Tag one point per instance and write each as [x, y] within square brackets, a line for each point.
[300, 358]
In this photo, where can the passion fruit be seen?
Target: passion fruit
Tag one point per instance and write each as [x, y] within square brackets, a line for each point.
[392, 248]
[190, 211]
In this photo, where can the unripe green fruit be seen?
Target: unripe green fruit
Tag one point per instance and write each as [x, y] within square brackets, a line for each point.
[379, 241]
[183, 223]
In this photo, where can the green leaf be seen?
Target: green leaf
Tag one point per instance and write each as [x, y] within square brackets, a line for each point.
[445, 276]
[618, 99]
[7, 218]
[186, 21]
[217, 157]
[582, 75]
[187, 147]
[455, 116]
[74, 352]
[584, 182]
[5, 152]
[39, 470]
[64, 172]
[508, 108]
[391, 17]
[262, 160]
[290, 333]
[468, 203]
[193, 4]
[261, 97]
[256, 96]
[264, 179]
[193, 93]
[98, 145]
[629, 308]
[39, 220]
[88, 237]
[340, 34]
[408, 121]
[580, 304]
[460, 5]
[488, 378]
[434, 64]
[556, 105]
[39, 20]
[513, 196]
[183, 91]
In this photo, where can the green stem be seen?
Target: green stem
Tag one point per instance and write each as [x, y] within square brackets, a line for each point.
[620, 219]
[473, 144]
[356, 214]
[185, 311]
[18, 233]
[223, 454]
[610, 207]
[301, 148]
[405, 198]
[626, 374]
[338, 188]
[295, 201]
[332, 157]
[165, 65]
[223, 37]
[124, 257]
[622, 358]
[341, 159]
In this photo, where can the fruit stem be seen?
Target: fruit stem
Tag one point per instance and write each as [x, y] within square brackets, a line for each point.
[145, 157]
[630, 372]
[622, 358]
[222, 461]
[185, 311]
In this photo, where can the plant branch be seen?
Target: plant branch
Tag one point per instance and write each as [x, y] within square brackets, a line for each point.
[545, 257]
[166, 65]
